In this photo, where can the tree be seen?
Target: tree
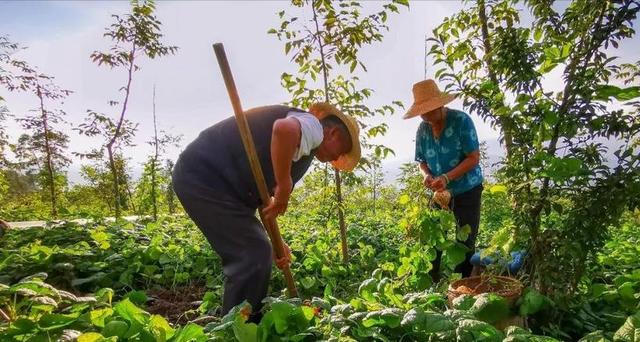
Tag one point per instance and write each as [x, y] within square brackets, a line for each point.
[135, 35]
[159, 143]
[8, 67]
[97, 124]
[44, 148]
[555, 169]
[328, 40]
[374, 180]
[170, 195]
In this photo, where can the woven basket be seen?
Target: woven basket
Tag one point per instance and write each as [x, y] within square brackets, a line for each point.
[509, 288]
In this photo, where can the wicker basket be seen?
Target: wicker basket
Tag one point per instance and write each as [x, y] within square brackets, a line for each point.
[509, 288]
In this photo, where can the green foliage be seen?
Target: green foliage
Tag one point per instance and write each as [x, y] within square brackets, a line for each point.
[135, 35]
[555, 171]
[369, 298]
[79, 257]
[324, 46]
[36, 310]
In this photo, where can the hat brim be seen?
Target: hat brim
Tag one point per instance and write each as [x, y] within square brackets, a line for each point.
[348, 161]
[427, 106]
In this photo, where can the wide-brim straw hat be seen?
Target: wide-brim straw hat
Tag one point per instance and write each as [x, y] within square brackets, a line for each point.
[427, 97]
[348, 161]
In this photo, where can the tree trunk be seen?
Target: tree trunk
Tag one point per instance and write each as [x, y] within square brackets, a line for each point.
[170, 194]
[505, 123]
[154, 161]
[113, 139]
[116, 187]
[325, 73]
[343, 225]
[130, 196]
[50, 170]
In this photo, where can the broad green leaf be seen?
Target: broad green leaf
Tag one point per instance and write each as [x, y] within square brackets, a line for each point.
[105, 295]
[606, 91]
[472, 330]
[21, 326]
[191, 332]
[308, 282]
[137, 297]
[436, 323]
[160, 328]
[490, 307]
[413, 317]
[627, 291]
[308, 312]
[94, 337]
[115, 328]
[280, 312]
[245, 332]
[94, 277]
[630, 330]
[463, 232]
[596, 336]
[533, 302]
[101, 238]
[97, 317]
[455, 254]
[38, 288]
[127, 310]
[392, 317]
[367, 288]
[55, 321]
[464, 302]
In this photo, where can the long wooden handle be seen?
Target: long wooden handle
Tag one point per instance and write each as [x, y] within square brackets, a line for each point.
[256, 168]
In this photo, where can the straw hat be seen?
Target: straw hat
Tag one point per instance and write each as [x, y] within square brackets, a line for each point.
[345, 162]
[427, 97]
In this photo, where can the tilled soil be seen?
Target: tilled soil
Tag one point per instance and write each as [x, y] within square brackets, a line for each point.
[179, 305]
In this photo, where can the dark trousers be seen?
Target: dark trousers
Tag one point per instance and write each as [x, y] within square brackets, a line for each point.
[466, 209]
[237, 236]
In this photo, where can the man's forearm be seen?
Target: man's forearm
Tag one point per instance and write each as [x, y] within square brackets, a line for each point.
[424, 168]
[468, 163]
[284, 141]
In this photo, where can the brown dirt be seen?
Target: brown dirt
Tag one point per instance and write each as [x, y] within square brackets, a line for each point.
[178, 305]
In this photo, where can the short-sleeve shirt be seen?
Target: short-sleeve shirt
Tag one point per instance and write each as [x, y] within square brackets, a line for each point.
[457, 139]
[311, 133]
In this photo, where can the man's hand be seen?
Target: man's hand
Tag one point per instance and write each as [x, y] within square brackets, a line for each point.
[427, 180]
[286, 259]
[438, 184]
[279, 201]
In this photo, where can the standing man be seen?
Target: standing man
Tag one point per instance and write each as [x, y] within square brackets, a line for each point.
[448, 154]
[213, 180]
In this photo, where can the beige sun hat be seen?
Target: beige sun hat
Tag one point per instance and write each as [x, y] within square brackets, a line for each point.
[345, 162]
[427, 97]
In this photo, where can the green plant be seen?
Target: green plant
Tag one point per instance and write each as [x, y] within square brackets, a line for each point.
[134, 35]
[555, 168]
[329, 40]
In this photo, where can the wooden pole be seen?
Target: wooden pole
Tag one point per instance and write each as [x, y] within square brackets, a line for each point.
[256, 169]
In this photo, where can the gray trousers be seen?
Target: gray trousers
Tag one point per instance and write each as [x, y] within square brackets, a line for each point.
[236, 235]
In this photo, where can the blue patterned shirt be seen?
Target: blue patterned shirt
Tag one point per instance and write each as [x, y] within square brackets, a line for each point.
[457, 140]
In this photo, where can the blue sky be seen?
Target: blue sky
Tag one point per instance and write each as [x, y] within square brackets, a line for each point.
[190, 94]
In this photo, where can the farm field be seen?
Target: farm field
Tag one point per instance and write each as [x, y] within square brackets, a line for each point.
[496, 199]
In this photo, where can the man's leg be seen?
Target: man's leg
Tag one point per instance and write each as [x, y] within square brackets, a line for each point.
[466, 208]
[241, 242]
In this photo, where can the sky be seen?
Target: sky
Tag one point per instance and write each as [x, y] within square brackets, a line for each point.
[60, 36]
